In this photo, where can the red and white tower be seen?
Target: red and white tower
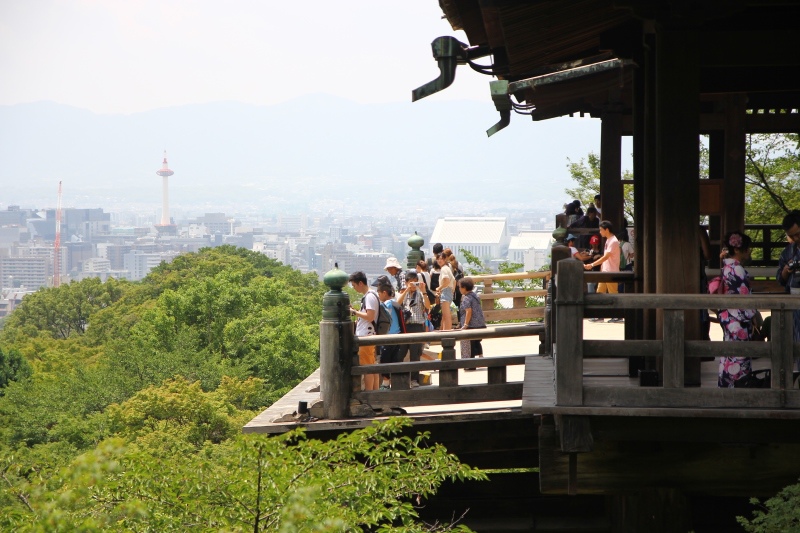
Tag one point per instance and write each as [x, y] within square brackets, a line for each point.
[165, 173]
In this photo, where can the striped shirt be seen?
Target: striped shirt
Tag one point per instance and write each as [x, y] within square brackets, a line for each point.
[415, 303]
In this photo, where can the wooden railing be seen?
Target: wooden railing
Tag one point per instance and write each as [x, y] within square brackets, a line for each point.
[571, 349]
[519, 309]
[449, 391]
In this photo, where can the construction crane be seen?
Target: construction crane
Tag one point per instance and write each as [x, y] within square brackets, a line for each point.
[57, 244]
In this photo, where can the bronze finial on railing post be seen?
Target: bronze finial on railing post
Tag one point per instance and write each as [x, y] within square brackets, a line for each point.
[336, 347]
[415, 254]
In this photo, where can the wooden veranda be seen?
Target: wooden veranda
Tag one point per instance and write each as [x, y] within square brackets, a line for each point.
[663, 72]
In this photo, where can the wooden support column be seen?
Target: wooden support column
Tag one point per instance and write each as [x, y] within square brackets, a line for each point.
[569, 333]
[735, 150]
[646, 231]
[678, 160]
[611, 165]
[716, 171]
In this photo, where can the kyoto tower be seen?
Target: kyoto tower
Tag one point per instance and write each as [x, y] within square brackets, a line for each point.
[165, 173]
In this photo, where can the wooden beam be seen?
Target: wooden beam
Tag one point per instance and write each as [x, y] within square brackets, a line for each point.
[713, 468]
[749, 47]
[598, 396]
[442, 395]
[480, 362]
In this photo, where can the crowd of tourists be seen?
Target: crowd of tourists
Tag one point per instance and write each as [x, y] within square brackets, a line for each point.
[426, 298]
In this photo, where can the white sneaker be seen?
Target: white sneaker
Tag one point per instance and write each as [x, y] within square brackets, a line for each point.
[414, 384]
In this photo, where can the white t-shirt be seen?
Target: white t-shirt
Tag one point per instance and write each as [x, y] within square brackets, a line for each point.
[444, 274]
[627, 249]
[364, 327]
[572, 252]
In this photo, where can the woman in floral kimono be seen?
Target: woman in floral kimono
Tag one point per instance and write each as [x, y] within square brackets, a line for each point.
[737, 324]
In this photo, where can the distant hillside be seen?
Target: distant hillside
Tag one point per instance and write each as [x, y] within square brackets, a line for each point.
[301, 150]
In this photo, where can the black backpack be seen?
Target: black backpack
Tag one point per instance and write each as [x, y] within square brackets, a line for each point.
[383, 320]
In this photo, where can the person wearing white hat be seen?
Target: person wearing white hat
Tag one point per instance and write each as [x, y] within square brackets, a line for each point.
[394, 268]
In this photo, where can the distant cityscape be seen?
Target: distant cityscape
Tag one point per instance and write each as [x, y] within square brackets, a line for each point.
[99, 244]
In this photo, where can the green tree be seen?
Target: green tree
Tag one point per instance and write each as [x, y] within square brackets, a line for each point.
[158, 480]
[779, 513]
[772, 177]
[13, 367]
[586, 174]
[65, 310]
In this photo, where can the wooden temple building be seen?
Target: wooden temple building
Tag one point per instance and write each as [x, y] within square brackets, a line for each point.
[622, 454]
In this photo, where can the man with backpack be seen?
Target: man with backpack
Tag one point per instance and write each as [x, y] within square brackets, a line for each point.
[365, 325]
[393, 312]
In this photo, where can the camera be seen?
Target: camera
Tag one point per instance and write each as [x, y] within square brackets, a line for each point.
[793, 265]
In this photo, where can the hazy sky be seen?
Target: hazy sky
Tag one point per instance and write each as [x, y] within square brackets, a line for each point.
[112, 56]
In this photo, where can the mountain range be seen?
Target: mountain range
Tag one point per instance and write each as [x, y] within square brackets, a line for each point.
[287, 156]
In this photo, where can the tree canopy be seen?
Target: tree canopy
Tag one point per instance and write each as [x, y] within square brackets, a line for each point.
[121, 408]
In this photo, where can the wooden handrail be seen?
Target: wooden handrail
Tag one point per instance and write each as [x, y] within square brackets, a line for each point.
[512, 276]
[691, 301]
[491, 332]
[674, 349]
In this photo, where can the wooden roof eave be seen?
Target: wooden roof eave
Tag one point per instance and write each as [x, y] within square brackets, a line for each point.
[582, 91]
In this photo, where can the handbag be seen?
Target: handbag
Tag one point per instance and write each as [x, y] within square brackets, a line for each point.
[435, 315]
[753, 381]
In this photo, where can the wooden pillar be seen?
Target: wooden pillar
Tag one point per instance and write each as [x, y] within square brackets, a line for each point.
[635, 330]
[678, 161]
[336, 354]
[611, 165]
[716, 171]
[569, 333]
[735, 151]
[647, 231]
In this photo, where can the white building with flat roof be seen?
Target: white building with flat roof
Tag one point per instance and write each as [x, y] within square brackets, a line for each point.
[531, 248]
[484, 237]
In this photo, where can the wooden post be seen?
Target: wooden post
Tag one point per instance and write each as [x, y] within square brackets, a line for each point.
[336, 348]
[678, 160]
[448, 378]
[611, 164]
[487, 305]
[646, 233]
[781, 343]
[569, 333]
[734, 163]
[557, 253]
[673, 348]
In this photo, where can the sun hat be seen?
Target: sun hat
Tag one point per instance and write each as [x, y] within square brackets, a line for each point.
[393, 262]
[570, 237]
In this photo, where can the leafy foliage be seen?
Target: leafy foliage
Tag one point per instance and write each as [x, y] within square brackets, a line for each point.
[121, 406]
[772, 177]
[13, 367]
[779, 513]
[586, 174]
